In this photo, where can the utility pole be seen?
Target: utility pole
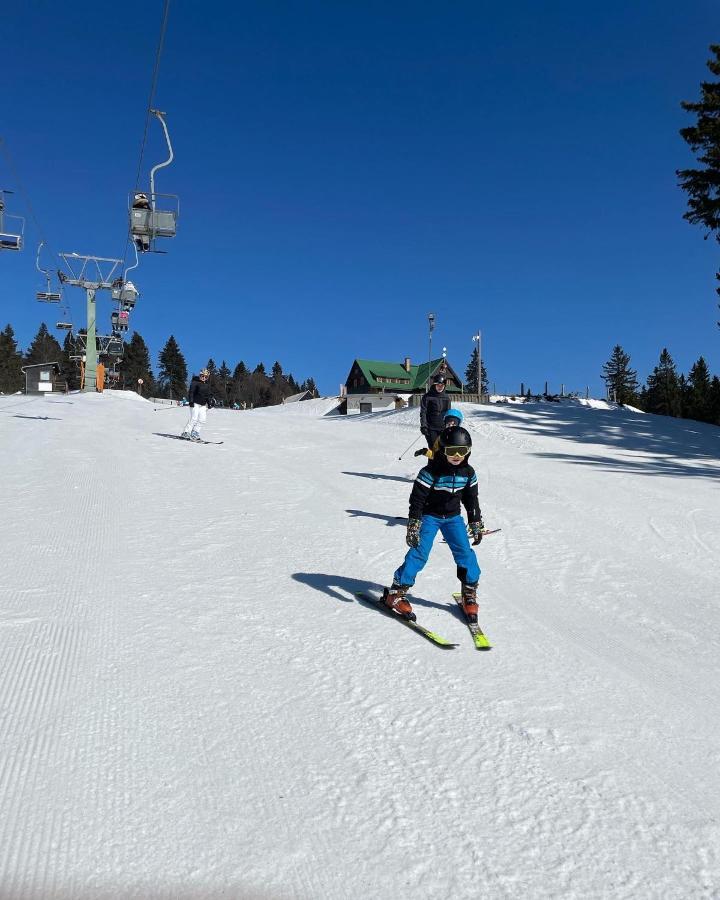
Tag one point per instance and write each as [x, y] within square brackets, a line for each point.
[88, 273]
[478, 337]
[431, 326]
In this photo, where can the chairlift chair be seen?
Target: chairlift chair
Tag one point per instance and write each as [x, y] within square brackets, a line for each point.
[64, 326]
[46, 296]
[147, 221]
[10, 239]
[125, 294]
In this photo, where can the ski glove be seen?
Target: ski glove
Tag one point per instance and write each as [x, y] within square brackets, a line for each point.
[475, 530]
[412, 538]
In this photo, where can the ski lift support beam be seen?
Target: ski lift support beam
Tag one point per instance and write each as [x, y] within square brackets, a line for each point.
[92, 273]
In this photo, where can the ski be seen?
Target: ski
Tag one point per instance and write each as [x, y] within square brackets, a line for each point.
[479, 639]
[425, 632]
[177, 437]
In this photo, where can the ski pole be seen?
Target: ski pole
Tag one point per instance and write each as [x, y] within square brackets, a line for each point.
[163, 408]
[411, 445]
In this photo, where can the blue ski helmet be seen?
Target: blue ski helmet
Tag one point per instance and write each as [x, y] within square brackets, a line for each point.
[453, 414]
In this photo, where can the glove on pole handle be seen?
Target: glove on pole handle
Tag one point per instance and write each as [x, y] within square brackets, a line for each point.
[411, 445]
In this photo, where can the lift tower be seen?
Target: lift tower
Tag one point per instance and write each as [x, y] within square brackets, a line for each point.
[93, 273]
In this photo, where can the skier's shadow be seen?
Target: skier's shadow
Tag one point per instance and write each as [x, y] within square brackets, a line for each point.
[175, 437]
[332, 585]
[388, 520]
[42, 418]
[376, 475]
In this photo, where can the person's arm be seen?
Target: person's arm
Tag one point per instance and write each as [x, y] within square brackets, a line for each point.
[470, 499]
[420, 492]
[191, 393]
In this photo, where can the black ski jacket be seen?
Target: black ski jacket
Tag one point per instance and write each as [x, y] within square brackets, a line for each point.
[439, 488]
[199, 392]
[433, 407]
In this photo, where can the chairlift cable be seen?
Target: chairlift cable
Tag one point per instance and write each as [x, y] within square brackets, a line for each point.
[26, 199]
[148, 113]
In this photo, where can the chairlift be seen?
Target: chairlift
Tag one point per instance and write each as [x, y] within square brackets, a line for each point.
[153, 215]
[120, 321]
[46, 296]
[125, 293]
[64, 326]
[12, 238]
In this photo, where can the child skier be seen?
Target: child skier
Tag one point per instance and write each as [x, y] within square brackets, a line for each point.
[451, 419]
[200, 401]
[435, 504]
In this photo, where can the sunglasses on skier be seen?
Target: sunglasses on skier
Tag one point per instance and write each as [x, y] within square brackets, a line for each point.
[457, 451]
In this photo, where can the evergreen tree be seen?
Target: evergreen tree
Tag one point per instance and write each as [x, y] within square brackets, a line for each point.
[136, 365]
[237, 385]
[44, 348]
[714, 402]
[697, 405]
[309, 385]
[224, 379]
[663, 388]
[620, 380]
[70, 366]
[471, 374]
[259, 369]
[11, 378]
[702, 185]
[172, 372]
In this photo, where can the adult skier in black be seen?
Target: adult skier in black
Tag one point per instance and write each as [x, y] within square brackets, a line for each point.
[433, 406]
[200, 401]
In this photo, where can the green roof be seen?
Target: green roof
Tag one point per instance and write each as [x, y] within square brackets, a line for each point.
[394, 376]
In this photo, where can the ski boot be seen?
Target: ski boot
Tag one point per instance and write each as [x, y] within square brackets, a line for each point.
[469, 602]
[195, 437]
[394, 598]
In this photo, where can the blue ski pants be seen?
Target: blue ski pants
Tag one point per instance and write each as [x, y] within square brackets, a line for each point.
[455, 533]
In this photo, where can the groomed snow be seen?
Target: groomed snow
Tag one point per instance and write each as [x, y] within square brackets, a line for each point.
[193, 704]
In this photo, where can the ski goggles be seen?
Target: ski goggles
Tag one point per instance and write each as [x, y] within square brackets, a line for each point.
[456, 451]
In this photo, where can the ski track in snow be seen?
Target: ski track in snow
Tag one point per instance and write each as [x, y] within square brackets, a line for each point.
[164, 732]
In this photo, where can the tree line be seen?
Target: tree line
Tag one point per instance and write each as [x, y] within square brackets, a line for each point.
[134, 371]
[667, 393]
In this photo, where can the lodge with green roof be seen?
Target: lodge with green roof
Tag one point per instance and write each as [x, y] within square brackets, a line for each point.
[374, 384]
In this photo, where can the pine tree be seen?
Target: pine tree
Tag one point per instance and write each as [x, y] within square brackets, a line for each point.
[70, 366]
[471, 374]
[620, 380]
[663, 388]
[224, 379]
[697, 405]
[702, 185]
[237, 384]
[172, 372]
[44, 348]
[714, 403]
[11, 377]
[136, 365]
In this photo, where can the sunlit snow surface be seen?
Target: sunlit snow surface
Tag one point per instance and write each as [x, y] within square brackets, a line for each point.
[193, 704]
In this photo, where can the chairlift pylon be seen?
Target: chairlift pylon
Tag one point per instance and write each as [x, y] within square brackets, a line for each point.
[10, 239]
[147, 221]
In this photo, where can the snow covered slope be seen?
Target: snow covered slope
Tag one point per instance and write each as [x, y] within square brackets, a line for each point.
[193, 704]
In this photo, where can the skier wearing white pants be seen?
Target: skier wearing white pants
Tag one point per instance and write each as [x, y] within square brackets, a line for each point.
[200, 401]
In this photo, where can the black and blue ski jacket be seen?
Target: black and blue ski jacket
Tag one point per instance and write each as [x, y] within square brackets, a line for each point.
[439, 488]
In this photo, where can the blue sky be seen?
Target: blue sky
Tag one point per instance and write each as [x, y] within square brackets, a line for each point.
[346, 168]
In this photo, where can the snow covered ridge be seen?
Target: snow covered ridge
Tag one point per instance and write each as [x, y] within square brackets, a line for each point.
[194, 704]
